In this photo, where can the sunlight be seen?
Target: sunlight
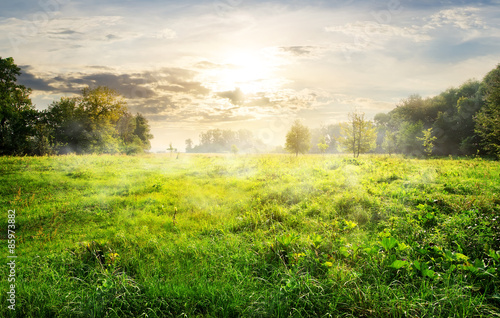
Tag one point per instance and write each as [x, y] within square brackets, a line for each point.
[252, 72]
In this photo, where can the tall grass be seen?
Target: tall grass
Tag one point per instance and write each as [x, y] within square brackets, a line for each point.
[253, 236]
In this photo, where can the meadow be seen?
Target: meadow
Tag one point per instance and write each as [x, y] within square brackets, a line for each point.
[252, 236]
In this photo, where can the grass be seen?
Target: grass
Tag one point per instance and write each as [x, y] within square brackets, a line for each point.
[252, 236]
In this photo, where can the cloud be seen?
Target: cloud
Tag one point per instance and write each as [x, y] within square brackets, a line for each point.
[162, 92]
[461, 18]
[371, 33]
[236, 97]
[31, 81]
[165, 34]
[298, 50]
[140, 85]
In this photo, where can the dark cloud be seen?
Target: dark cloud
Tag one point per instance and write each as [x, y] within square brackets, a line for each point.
[31, 81]
[128, 85]
[156, 94]
[112, 37]
[66, 32]
[100, 67]
[236, 97]
[143, 85]
[152, 107]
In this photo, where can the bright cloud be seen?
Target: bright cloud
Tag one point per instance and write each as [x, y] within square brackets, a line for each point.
[195, 65]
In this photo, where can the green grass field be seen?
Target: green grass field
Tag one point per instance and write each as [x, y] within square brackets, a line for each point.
[251, 236]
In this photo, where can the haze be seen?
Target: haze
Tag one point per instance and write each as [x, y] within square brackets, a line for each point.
[259, 65]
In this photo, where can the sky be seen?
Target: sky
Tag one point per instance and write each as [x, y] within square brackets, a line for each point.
[190, 66]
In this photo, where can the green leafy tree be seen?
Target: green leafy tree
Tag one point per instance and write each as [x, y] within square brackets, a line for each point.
[488, 119]
[408, 138]
[18, 117]
[143, 131]
[322, 145]
[298, 139]
[91, 122]
[66, 120]
[103, 108]
[390, 142]
[428, 141]
[97, 122]
[358, 135]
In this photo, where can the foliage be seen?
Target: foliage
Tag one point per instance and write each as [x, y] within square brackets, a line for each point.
[428, 141]
[451, 115]
[357, 135]
[234, 149]
[97, 122]
[324, 139]
[218, 140]
[390, 142]
[18, 117]
[171, 148]
[298, 138]
[322, 145]
[488, 119]
[189, 145]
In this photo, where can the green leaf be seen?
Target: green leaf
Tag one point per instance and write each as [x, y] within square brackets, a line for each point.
[417, 265]
[495, 255]
[449, 255]
[478, 263]
[388, 243]
[429, 273]
[397, 264]
[343, 250]
[461, 257]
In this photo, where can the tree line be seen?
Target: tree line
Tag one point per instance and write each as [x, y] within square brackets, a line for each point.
[459, 121]
[98, 121]
[226, 140]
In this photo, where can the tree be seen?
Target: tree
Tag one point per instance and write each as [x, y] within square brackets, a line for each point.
[408, 138]
[66, 120]
[358, 135]
[142, 131]
[189, 145]
[298, 139]
[428, 141]
[18, 117]
[323, 145]
[171, 149]
[488, 119]
[217, 140]
[234, 149]
[97, 122]
[103, 108]
[390, 142]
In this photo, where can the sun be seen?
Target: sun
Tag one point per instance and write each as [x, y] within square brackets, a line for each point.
[250, 71]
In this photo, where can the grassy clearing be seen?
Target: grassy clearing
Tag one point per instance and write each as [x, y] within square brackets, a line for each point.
[255, 236]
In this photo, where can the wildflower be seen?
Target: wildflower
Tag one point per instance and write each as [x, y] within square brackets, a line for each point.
[113, 257]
